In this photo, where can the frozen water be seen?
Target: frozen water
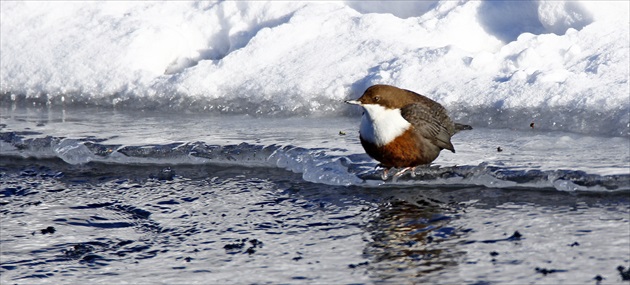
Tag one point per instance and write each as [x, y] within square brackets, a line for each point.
[73, 151]
[489, 157]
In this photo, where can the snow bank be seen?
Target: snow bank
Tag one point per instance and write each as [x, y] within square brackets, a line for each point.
[562, 64]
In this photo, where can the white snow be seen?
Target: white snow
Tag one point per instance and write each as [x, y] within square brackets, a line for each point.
[563, 64]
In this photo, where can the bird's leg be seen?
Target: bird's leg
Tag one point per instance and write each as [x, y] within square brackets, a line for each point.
[412, 171]
[385, 174]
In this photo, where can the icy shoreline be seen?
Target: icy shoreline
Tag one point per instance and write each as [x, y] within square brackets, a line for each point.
[495, 158]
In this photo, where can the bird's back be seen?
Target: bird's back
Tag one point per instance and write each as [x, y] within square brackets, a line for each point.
[430, 120]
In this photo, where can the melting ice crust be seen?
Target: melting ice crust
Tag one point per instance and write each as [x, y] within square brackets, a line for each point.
[325, 166]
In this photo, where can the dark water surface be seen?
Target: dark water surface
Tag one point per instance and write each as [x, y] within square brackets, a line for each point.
[215, 225]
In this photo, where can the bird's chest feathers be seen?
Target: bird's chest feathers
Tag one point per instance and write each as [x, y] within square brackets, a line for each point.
[380, 125]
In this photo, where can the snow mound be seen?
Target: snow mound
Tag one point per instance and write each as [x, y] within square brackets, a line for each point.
[485, 59]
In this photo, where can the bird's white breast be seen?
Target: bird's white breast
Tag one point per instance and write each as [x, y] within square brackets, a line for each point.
[380, 125]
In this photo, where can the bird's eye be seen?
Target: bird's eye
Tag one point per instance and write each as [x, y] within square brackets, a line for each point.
[377, 98]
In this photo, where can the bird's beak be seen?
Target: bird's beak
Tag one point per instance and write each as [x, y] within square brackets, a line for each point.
[354, 102]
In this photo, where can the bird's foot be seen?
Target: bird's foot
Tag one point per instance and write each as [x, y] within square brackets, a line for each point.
[385, 174]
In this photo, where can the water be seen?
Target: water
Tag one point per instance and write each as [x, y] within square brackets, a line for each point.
[136, 148]
[115, 196]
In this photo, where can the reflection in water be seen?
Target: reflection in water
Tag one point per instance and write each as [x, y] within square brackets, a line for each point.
[150, 224]
[412, 239]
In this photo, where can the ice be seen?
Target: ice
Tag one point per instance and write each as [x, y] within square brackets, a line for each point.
[73, 151]
[531, 160]
[484, 60]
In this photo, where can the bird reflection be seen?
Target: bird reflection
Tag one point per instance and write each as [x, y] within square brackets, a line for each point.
[411, 238]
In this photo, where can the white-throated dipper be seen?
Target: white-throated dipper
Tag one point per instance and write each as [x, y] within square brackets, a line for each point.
[403, 129]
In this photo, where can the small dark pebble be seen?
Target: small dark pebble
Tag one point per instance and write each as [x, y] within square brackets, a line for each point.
[188, 259]
[599, 278]
[545, 271]
[48, 230]
[574, 244]
[342, 133]
[296, 258]
[359, 264]
[256, 243]
[531, 125]
[233, 246]
[499, 149]
[240, 244]
[625, 274]
[494, 253]
[515, 236]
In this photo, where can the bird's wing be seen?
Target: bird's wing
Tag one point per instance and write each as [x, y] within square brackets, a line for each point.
[431, 121]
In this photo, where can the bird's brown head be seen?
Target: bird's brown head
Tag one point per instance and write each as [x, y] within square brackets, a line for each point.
[387, 96]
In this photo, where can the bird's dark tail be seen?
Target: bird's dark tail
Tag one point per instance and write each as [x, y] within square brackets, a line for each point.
[461, 127]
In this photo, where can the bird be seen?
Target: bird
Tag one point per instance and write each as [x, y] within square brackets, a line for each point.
[403, 129]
